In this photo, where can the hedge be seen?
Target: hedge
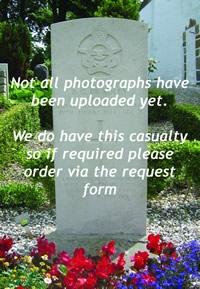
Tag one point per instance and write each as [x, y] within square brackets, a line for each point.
[46, 117]
[4, 103]
[186, 160]
[19, 117]
[25, 95]
[161, 113]
[156, 113]
[47, 182]
[186, 119]
[20, 194]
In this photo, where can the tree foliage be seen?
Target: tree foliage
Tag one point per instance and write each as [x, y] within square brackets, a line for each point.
[128, 9]
[16, 10]
[41, 13]
[63, 10]
[38, 15]
[15, 48]
[35, 13]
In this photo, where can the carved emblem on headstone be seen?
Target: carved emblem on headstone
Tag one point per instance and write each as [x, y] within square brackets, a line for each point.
[100, 53]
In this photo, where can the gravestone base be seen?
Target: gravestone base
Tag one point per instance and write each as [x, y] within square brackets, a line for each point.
[92, 242]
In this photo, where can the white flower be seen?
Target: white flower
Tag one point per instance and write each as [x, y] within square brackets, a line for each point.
[47, 280]
[44, 257]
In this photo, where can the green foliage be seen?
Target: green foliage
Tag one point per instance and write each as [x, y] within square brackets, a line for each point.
[63, 269]
[186, 119]
[23, 276]
[186, 160]
[30, 74]
[47, 62]
[43, 16]
[15, 48]
[5, 103]
[47, 182]
[24, 222]
[26, 95]
[192, 161]
[38, 58]
[42, 54]
[128, 9]
[19, 117]
[20, 194]
[160, 113]
[152, 65]
[46, 116]
[35, 13]
[63, 10]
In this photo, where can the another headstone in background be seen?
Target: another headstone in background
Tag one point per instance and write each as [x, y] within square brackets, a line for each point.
[107, 49]
[41, 72]
[4, 80]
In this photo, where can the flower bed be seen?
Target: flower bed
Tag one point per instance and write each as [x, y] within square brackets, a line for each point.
[166, 267]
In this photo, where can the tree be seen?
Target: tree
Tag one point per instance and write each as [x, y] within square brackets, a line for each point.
[38, 15]
[15, 48]
[35, 13]
[128, 9]
[63, 10]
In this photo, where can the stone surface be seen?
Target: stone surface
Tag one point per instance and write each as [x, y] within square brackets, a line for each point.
[22, 217]
[41, 72]
[100, 48]
[176, 219]
[4, 79]
[2, 88]
[2, 74]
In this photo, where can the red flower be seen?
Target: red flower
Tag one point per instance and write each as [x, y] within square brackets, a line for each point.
[80, 283]
[134, 281]
[69, 280]
[169, 250]
[148, 278]
[140, 260]
[74, 281]
[109, 249]
[104, 268]
[44, 247]
[64, 257]
[5, 245]
[21, 287]
[91, 282]
[79, 251]
[79, 261]
[154, 244]
[120, 263]
[55, 270]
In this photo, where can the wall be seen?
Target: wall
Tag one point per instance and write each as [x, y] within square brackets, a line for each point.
[168, 19]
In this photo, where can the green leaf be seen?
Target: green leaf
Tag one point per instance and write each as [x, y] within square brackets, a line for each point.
[63, 269]
[24, 222]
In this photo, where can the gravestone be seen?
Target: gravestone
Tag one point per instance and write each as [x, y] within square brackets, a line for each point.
[4, 81]
[106, 49]
[41, 72]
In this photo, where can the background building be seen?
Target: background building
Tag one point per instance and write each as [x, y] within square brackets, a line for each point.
[174, 39]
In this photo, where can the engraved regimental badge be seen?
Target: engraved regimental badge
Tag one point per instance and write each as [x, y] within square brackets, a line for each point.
[100, 53]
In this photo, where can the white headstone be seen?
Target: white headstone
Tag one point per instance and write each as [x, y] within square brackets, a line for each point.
[4, 80]
[99, 49]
